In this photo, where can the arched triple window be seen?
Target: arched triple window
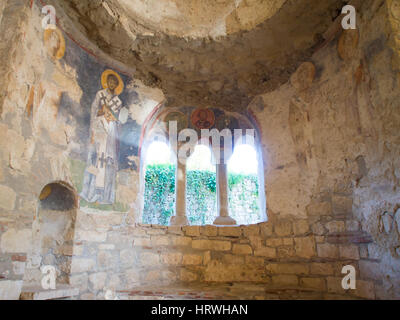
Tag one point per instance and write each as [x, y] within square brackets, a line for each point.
[202, 190]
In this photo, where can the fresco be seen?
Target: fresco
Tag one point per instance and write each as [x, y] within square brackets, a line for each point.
[107, 114]
[203, 118]
[93, 111]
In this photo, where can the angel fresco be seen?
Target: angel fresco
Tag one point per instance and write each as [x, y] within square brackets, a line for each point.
[107, 114]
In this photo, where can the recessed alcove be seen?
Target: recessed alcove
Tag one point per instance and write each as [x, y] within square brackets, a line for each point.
[57, 210]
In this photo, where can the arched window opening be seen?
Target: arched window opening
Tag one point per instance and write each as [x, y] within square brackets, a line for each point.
[56, 222]
[159, 192]
[201, 196]
[243, 185]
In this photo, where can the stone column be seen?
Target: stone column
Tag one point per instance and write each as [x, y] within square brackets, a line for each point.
[222, 196]
[180, 204]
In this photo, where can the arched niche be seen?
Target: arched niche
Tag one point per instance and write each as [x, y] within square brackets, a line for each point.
[56, 217]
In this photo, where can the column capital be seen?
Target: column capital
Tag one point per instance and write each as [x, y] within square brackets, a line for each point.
[179, 221]
[224, 221]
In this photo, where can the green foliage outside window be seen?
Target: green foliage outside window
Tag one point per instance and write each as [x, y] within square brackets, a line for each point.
[201, 196]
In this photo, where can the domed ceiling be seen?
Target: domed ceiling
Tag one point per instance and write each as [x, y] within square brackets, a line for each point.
[218, 53]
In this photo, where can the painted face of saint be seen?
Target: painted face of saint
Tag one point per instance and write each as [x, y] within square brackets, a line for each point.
[112, 82]
[202, 115]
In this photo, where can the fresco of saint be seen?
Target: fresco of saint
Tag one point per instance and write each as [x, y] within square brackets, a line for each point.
[203, 118]
[107, 114]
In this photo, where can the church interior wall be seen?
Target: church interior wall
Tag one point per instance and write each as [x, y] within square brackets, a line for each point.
[329, 141]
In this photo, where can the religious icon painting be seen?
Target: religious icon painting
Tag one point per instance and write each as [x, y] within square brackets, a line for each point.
[107, 112]
[203, 118]
[179, 117]
[54, 43]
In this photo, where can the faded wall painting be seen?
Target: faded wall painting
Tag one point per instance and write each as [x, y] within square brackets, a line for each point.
[107, 114]
[89, 110]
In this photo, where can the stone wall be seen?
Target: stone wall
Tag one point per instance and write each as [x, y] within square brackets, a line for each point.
[330, 134]
[307, 254]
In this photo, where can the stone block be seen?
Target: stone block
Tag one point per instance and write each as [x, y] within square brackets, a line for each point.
[285, 280]
[335, 226]
[251, 230]
[192, 231]
[106, 246]
[158, 240]
[132, 278]
[334, 285]
[10, 290]
[300, 227]
[82, 265]
[156, 230]
[283, 228]
[192, 259]
[210, 231]
[93, 236]
[152, 275]
[266, 229]
[114, 282]
[230, 231]
[233, 259]
[326, 250]
[149, 259]
[106, 260]
[265, 252]
[18, 267]
[172, 258]
[313, 283]
[256, 241]
[80, 281]
[127, 257]
[305, 247]
[365, 289]
[323, 269]
[349, 252]
[188, 276]
[181, 241]
[318, 229]
[242, 249]
[175, 230]
[287, 268]
[142, 242]
[274, 242]
[206, 257]
[98, 280]
[218, 245]
[256, 261]
[287, 241]
[286, 252]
